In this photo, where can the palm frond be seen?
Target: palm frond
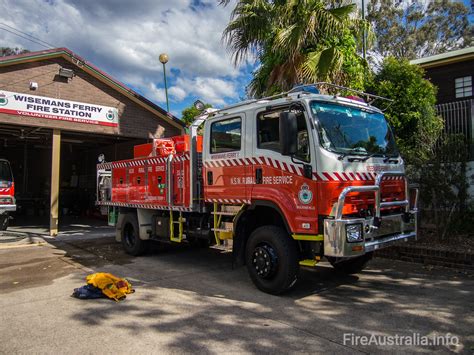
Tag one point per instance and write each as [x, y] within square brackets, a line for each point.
[343, 12]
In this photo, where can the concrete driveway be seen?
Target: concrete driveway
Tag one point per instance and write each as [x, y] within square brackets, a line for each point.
[192, 301]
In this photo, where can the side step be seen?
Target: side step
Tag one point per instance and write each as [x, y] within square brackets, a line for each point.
[179, 223]
[224, 216]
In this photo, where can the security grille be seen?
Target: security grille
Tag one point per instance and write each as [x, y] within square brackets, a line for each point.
[458, 118]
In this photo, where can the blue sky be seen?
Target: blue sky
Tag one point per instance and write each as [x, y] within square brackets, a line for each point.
[124, 38]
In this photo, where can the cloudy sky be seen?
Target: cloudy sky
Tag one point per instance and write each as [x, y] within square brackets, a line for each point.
[124, 38]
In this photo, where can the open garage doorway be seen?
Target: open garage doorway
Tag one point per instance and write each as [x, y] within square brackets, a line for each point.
[29, 151]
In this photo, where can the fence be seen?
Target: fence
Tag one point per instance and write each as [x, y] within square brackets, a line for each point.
[458, 118]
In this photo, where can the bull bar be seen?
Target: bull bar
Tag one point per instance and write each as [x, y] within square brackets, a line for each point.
[376, 231]
[8, 207]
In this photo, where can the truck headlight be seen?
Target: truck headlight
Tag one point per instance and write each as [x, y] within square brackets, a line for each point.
[6, 201]
[354, 232]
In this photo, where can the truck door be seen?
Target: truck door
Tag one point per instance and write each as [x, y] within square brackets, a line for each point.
[286, 181]
[224, 166]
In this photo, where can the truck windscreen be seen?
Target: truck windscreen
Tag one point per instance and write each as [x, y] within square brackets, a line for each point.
[5, 172]
[350, 130]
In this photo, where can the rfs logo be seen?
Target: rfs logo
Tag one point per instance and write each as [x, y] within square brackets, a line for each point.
[305, 195]
[110, 115]
[3, 99]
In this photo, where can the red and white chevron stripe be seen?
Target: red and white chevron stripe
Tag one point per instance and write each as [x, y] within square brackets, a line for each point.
[5, 190]
[297, 170]
[227, 200]
[274, 163]
[120, 164]
[146, 206]
[104, 166]
[181, 157]
[140, 162]
[156, 160]
[350, 176]
[137, 162]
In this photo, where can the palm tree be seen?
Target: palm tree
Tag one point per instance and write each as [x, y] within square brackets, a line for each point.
[295, 41]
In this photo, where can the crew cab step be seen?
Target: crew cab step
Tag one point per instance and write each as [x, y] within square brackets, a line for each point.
[224, 213]
[230, 208]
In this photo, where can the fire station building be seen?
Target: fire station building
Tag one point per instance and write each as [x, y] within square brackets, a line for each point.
[58, 113]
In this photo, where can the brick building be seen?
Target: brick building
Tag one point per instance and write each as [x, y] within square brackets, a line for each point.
[57, 114]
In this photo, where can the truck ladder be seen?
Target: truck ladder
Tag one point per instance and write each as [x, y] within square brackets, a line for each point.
[224, 216]
[179, 222]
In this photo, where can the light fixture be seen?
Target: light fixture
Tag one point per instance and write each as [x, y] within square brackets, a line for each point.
[354, 233]
[33, 85]
[198, 105]
[66, 73]
[164, 59]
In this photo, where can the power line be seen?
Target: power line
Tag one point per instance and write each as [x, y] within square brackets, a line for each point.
[29, 39]
[27, 34]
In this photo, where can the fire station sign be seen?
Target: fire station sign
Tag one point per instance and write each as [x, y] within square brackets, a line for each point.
[56, 109]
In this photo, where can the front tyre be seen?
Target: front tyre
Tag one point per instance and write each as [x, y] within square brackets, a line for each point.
[131, 242]
[4, 219]
[352, 265]
[272, 259]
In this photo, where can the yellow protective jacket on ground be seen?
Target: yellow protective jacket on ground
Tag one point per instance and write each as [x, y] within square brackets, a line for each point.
[112, 286]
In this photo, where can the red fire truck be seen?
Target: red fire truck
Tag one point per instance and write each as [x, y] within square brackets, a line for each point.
[7, 193]
[290, 179]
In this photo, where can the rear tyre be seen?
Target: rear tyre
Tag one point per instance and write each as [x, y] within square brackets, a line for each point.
[4, 219]
[272, 259]
[131, 242]
[352, 265]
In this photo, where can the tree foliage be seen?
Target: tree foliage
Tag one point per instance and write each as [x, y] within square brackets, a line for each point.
[296, 41]
[189, 113]
[419, 29]
[6, 51]
[412, 113]
[443, 186]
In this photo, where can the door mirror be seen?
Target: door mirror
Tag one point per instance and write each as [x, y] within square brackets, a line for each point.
[288, 128]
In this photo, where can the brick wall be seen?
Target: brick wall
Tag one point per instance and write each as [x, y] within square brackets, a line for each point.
[429, 256]
[134, 120]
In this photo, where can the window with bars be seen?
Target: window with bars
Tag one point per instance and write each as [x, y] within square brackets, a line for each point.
[463, 87]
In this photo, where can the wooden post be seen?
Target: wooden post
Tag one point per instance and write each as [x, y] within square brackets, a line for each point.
[56, 155]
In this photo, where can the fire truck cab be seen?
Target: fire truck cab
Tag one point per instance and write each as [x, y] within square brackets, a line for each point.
[7, 193]
[290, 179]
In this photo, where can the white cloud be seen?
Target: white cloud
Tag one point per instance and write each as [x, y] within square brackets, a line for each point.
[177, 93]
[155, 93]
[209, 90]
[125, 38]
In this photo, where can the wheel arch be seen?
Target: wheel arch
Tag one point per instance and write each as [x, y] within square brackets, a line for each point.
[259, 213]
[123, 211]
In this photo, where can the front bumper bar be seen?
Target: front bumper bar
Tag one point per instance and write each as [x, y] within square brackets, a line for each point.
[7, 208]
[377, 231]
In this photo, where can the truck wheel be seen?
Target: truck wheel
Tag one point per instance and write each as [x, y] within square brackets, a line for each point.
[131, 242]
[272, 259]
[352, 265]
[4, 218]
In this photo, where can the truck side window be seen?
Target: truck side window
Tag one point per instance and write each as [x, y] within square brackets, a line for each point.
[268, 136]
[226, 135]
